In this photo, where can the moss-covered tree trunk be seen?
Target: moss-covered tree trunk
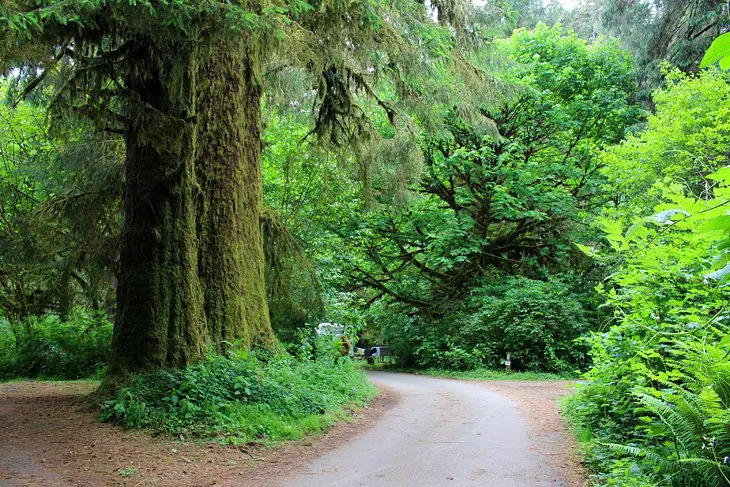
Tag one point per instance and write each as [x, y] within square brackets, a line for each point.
[192, 260]
[160, 319]
[231, 251]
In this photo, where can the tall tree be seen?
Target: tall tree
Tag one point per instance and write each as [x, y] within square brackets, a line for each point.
[509, 204]
[182, 82]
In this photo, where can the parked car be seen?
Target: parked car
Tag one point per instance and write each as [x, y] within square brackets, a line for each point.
[377, 351]
[330, 329]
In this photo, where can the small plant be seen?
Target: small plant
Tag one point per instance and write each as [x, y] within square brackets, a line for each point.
[128, 472]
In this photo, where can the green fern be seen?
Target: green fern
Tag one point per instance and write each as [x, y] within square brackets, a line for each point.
[695, 407]
[663, 464]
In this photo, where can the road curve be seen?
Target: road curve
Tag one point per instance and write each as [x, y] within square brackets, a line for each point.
[441, 432]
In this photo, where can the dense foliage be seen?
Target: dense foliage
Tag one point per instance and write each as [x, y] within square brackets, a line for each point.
[490, 209]
[243, 397]
[50, 347]
[658, 387]
[59, 221]
[459, 180]
[655, 31]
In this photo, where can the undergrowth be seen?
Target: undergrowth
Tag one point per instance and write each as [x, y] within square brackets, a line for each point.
[49, 347]
[674, 427]
[242, 398]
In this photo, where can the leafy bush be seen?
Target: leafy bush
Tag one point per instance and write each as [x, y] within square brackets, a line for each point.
[242, 397]
[657, 390]
[49, 347]
[669, 427]
[686, 139]
[537, 322]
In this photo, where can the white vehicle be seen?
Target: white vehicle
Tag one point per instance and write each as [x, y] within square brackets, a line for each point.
[330, 329]
[335, 331]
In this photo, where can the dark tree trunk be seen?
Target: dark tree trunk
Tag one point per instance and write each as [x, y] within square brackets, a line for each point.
[160, 320]
[65, 294]
[228, 161]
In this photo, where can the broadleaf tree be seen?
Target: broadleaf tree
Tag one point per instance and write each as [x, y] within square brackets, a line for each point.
[488, 208]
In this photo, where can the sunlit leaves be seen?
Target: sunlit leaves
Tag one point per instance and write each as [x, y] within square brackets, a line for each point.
[666, 240]
[719, 52]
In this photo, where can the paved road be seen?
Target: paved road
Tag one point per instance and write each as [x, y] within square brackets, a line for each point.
[440, 433]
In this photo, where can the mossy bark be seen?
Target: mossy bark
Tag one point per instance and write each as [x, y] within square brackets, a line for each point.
[192, 259]
[231, 254]
[160, 320]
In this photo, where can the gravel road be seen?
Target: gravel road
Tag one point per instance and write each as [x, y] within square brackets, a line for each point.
[440, 432]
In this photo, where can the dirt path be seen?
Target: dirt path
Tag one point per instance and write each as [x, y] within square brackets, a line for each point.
[49, 438]
[421, 431]
[537, 402]
[444, 433]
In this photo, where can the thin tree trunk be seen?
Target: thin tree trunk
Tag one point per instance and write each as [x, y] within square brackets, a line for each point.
[231, 251]
[65, 293]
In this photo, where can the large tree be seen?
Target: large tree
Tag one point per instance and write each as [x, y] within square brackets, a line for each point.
[181, 81]
[509, 204]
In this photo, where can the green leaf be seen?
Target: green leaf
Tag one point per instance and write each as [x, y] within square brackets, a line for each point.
[719, 49]
[721, 175]
[719, 223]
[637, 230]
[586, 249]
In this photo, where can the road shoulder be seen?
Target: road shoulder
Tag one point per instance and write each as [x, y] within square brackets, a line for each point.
[50, 438]
[537, 403]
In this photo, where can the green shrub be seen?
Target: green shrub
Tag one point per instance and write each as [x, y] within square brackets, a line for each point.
[242, 397]
[49, 347]
[655, 405]
[690, 411]
[671, 426]
[537, 322]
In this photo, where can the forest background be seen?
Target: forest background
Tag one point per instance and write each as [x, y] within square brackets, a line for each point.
[537, 181]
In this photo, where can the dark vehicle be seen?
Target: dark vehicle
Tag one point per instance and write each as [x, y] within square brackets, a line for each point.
[377, 351]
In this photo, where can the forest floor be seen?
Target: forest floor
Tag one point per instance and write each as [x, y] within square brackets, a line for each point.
[50, 437]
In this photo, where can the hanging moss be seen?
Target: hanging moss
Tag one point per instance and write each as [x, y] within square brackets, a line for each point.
[292, 287]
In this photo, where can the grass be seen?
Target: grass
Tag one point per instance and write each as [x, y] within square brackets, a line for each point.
[476, 374]
[51, 380]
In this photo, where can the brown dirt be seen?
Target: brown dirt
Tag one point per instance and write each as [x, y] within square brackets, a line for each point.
[48, 437]
[538, 405]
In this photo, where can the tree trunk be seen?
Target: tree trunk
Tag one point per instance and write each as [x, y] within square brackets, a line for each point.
[192, 260]
[65, 293]
[160, 321]
[231, 253]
